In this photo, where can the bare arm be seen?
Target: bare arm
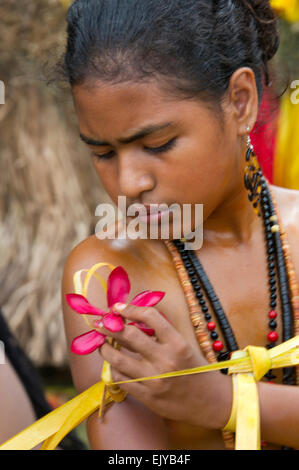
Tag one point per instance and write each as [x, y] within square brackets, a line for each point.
[128, 425]
[280, 414]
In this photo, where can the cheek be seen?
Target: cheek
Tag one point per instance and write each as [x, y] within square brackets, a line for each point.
[107, 173]
[196, 172]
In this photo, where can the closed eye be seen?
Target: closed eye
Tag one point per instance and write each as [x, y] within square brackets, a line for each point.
[164, 148]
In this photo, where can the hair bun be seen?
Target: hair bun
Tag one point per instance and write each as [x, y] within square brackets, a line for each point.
[268, 26]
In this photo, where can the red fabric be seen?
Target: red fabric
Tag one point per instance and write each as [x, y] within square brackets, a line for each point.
[264, 134]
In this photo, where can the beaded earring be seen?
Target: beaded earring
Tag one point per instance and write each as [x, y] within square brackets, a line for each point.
[252, 176]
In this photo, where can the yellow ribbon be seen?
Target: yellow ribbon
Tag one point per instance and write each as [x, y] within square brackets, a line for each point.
[247, 367]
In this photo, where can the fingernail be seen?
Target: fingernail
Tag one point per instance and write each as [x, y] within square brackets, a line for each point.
[119, 306]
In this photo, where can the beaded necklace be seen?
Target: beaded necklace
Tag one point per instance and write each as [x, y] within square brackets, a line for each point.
[195, 284]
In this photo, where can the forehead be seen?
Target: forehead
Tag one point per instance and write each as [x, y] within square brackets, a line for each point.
[110, 111]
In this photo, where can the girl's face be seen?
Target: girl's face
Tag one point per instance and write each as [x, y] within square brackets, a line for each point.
[154, 148]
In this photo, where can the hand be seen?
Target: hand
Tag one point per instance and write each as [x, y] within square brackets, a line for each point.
[200, 399]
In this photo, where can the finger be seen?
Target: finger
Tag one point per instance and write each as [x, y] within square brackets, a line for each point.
[152, 318]
[135, 340]
[136, 389]
[127, 365]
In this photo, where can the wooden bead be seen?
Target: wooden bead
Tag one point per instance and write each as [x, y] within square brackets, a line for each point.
[275, 228]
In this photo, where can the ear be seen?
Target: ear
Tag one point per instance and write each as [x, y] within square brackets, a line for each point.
[243, 99]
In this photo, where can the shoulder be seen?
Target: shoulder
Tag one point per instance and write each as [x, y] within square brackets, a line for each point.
[132, 255]
[92, 251]
[288, 206]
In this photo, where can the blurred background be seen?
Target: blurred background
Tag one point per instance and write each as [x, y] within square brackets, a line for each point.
[48, 188]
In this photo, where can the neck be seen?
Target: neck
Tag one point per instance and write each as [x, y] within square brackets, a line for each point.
[233, 222]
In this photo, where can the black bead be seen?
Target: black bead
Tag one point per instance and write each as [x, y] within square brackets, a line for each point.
[193, 280]
[197, 287]
[208, 317]
[214, 335]
[202, 302]
[223, 356]
[270, 375]
[191, 271]
[205, 309]
[199, 295]
[272, 324]
[273, 305]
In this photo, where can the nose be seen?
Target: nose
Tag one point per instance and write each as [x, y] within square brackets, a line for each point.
[134, 176]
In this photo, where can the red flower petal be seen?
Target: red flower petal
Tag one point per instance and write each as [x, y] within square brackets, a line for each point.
[81, 305]
[147, 298]
[118, 286]
[87, 343]
[113, 322]
[143, 327]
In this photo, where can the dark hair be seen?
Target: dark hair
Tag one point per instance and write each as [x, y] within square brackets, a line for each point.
[195, 45]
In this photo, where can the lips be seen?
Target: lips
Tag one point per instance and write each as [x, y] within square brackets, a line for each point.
[150, 209]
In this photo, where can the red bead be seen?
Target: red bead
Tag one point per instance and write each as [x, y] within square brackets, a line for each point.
[218, 346]
[211, 326]
[272, 336]
[263, 444]
[272, 314]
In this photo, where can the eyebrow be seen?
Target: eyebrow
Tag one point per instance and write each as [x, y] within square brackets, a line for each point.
[139, 134]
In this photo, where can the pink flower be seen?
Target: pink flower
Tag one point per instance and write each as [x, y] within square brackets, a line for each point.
[118, 288]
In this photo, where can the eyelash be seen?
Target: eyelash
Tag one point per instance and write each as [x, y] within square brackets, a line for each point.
[164, 148]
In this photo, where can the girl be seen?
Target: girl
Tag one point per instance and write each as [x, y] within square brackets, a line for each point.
[166, 94]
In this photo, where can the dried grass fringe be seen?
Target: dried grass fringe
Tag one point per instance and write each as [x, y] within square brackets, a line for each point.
[48, 188]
